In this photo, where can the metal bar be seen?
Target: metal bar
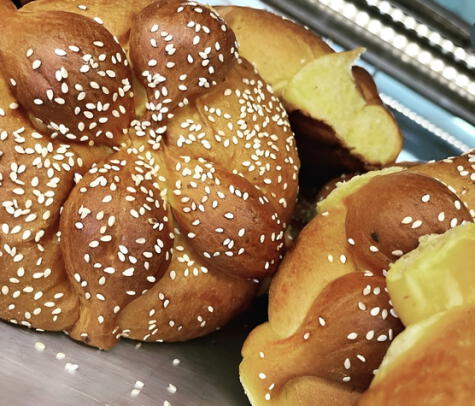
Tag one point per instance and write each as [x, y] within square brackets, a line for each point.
[378, 55]
[438, 17]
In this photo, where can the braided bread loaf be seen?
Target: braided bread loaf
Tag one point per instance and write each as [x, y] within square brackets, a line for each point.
[143, 201]
[330, 318]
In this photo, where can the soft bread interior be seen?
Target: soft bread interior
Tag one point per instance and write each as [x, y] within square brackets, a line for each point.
[325, 89]
[431, 363]
[344, 189]
[436, 276]
[403, 343]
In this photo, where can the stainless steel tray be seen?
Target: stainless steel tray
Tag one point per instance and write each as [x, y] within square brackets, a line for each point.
[202, 372]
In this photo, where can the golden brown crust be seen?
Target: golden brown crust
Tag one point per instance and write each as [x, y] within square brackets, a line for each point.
[179, 74]
[436, 370]
[67, 88]
[113, 249]
[361, 225]
[365, 83]
[387, 216]
[217, 297]
[116, 16]
[310, 390]
[29, 216]
[333, 343]
[247, 255]
[457, 173]
[134, 216]
[304, 270]
[253, 28]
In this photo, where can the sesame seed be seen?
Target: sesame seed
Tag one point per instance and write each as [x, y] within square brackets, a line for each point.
[60, 356]
[374, 311]
[60, 52]
[416, 224]
[36, 64]
[128, 272]
[71, 368]
[171, 388]
[39, 346]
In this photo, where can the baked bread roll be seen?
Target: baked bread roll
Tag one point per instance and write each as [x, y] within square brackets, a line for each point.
[340, 122]
[131, 191]
[365, 224]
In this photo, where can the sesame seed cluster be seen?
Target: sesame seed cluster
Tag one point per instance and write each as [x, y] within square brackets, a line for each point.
[331, 319]
[147, 172]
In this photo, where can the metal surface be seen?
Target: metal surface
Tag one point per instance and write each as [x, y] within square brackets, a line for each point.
[434, 14]
[207, 371]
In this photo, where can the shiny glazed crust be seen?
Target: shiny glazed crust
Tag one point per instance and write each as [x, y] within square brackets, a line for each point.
[143, 199]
